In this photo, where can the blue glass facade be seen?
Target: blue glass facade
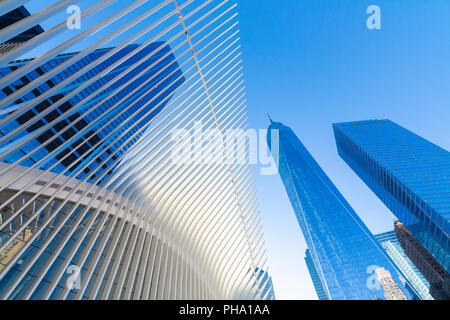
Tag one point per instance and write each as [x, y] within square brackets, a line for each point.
[349, 261]
[318, 286]
[78, 124]
[408, 173]
[392, 246]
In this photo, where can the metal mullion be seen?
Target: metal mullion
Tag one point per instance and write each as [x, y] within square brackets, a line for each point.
[147, 162]
[127, 258]
[205, 237]
[261, 268]
[226, 287]
[42, 248]
[126, 229]
[142, 267]
[200, 186]
[113, 225]
[147, 143]
[98, 229]
[233, 227]
[146, 238]
[201, 73]
[73, 150]
[215, 19]
[167, 177]
[147, 286]
[199, 168]
[236, 248]
[219, 36]
[215, 253]
[111, 249]
[9, 5]
[198, 204]
[250, 280]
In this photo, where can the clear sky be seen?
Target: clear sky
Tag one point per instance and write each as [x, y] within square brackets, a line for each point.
[309, 63]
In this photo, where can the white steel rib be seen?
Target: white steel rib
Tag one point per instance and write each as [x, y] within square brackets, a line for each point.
[93, 202]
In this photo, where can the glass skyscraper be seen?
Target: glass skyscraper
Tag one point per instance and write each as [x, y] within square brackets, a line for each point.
[408, 173]
[391, 245]
[349, 261]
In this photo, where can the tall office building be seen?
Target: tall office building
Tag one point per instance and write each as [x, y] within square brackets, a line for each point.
[344, 252]
[94, 203]
[435, 274]
[408, 173]
[12, 17]
[392, 246]
[318, 286]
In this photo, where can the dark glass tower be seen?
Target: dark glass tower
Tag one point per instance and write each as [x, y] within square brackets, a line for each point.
[349, 261]
[12, 17]
[435, 274]
[80, 135]
[408, 173]
[81, 129]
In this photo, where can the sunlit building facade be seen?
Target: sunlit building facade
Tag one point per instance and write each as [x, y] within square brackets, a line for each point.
[408, 173]
[345, 254]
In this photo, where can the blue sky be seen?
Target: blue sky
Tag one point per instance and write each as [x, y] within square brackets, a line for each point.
[309, 63]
